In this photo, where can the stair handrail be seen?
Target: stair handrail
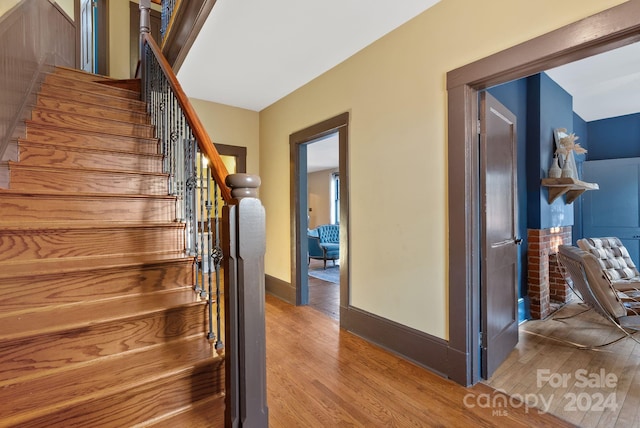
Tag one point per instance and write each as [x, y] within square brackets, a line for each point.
[169, 9]
[238, 244]
[218, 169]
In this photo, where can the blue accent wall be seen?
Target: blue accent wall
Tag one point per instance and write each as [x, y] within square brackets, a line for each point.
[614, 138]
[550, 107]
[513, 96]
[540, 105]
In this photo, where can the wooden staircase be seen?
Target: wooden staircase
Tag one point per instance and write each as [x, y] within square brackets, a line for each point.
[99, 324]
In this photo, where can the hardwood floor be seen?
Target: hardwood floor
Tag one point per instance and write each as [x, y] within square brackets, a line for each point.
[590, 388]
[324, 296]
[321, 376]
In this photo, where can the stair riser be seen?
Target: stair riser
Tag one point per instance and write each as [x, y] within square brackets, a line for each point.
[85, 286]
[68, 106]
[72, 73]
[140, 403]
[134, 85]
[43, 155]
[94, 88]
[57, 136]
[52, 208]
[73, 121]
[204, 414]
[35, 245]
[36, 398]
[45, 352]
[93, 98]
[28, 179]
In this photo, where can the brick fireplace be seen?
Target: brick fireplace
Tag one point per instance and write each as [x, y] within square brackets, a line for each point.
[547, 288]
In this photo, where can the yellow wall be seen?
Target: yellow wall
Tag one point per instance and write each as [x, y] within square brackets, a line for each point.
[119, 34]
[5, 5]
[319, 196]
[68, 6]
[233, 126]
[395, 91]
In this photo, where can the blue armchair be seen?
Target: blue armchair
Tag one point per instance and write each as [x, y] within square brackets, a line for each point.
[324, 243]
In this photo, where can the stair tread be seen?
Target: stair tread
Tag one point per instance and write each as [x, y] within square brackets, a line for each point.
[81, 225]
[39, 125]
[138, 401]
[75, 71]
[38, 321]
[36, 193]
[83, 104]
[105, 377]
[105, 150]
[113, 91]
[106, 120]
[95, 98]
[13, 164]
[77, 264]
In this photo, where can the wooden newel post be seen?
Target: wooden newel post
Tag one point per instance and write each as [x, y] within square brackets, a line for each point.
[145, 23]
[145, 28]
[244, 297]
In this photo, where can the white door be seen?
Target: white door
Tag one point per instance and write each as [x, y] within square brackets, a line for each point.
[86, 35]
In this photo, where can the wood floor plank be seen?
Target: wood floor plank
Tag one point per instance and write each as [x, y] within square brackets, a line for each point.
[339, 379]
[557, 352]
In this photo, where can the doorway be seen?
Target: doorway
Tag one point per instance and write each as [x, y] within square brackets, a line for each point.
[86, 36]
[612, 28]
[92, 35]
[299, 144]
[323, 181]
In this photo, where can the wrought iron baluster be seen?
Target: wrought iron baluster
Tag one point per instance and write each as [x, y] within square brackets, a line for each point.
[217, 260]
[190, 197]
[201, 224]
[210, 268]
[190, 180]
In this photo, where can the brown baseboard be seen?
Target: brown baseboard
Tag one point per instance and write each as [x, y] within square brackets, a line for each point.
[421, 348]
[280, 289]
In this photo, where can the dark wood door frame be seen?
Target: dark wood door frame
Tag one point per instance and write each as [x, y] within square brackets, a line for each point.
[604, 31]
[239, 152]
[298, 157]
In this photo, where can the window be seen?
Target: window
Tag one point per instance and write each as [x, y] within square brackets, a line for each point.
[335, 198]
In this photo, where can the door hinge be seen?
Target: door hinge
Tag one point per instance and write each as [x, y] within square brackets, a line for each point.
[478, 127]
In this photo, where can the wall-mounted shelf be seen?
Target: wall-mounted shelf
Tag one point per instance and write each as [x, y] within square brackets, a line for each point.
[569, 186]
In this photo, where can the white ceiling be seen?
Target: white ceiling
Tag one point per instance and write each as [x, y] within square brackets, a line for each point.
[251, 53]
[605, 85]
[322, 154]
